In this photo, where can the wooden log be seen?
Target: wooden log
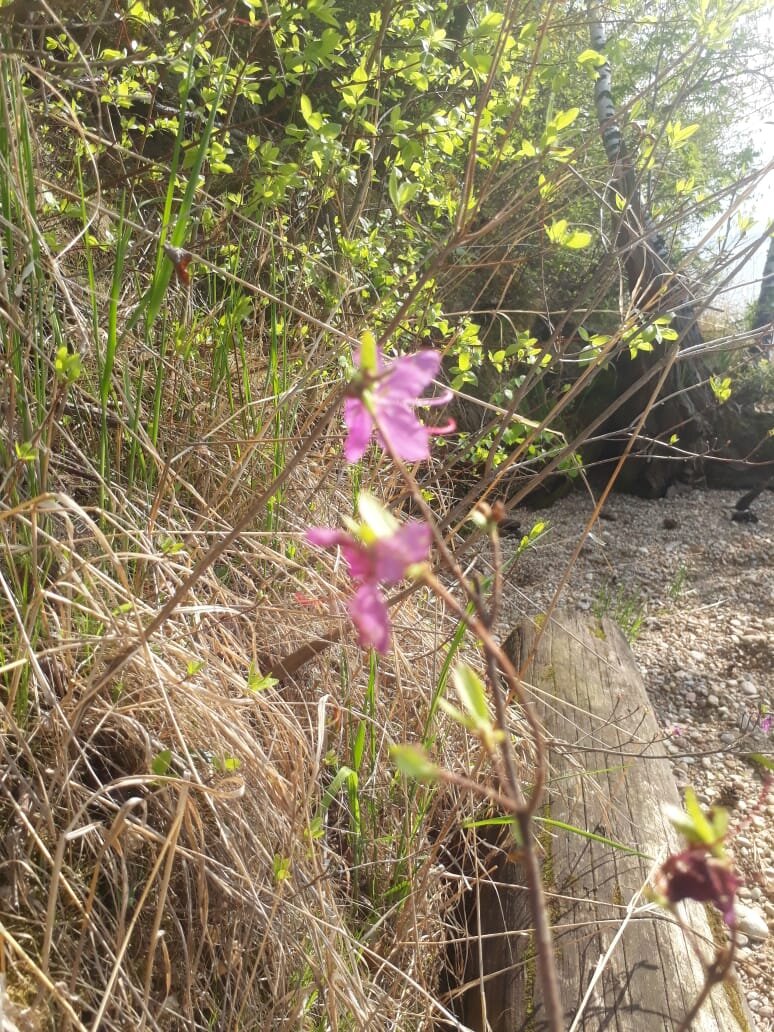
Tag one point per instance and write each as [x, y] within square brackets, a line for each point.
[610, 776]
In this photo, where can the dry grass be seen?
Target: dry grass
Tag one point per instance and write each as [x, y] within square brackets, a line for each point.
[173, 855]
[162, 866]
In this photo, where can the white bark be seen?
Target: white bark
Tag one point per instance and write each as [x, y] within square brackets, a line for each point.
[647, 260]
[764, 310]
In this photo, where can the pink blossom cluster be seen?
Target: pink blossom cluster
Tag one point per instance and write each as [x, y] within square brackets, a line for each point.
[381, 403]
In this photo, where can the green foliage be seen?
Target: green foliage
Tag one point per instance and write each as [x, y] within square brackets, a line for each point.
[678, 582]
[475, 714]
[698, 828]
[560, 233]
[721, 387]
[623, 606]
[68, 365]
[754, 383]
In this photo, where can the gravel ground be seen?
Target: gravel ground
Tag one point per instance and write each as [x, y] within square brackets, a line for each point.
[694, 592]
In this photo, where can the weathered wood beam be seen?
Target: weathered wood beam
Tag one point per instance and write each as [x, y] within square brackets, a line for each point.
[609, 776]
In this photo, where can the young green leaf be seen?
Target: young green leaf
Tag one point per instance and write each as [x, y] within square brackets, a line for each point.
[413, 762]
[161, 762]
[472, 694]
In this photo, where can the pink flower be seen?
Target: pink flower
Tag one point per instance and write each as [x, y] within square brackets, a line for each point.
[379, 551]
[382, 401]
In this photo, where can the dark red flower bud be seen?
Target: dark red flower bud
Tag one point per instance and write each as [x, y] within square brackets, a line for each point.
[697, 874]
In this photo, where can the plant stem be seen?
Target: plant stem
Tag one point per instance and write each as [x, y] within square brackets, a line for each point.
[523, 810]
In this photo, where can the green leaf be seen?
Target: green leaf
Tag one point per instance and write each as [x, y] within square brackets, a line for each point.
[281, 868]
[344, 776]
[489, 25]
[67, 365]
[557, 231]
[577, 239]
[564, 118]
[573, 829]
[258, 682]
[591, 58]
[478, 61]
[139, 11]
[355, 88]
[392, 187]
[472, 693]
[325, 12]
[161, 762]
[368, 353]
[413, 762]
[721, 388]
[678, 134]
[560, 233]
[593, 837]
[226, 764]
[313, 119]
[401, 193]
[25, 452]
[693, 824]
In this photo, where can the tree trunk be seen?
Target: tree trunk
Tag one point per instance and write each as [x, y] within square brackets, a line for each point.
[764, 310]
[655, 289]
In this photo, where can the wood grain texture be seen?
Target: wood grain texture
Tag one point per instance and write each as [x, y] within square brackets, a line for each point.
[609, 775]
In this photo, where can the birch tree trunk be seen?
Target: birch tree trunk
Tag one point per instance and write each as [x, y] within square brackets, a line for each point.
[764, 310]
[655, 289]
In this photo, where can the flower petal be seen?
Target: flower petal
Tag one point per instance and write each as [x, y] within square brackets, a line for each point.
[325, 537]
[392, 556]
[369, 614]
[360, 562]
[360, 427]
[407, 377]
[406, 435]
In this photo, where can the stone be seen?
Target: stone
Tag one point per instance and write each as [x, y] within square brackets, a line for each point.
[751, 923]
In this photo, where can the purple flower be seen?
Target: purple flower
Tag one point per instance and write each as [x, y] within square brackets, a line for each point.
[382, 401]
[766, 724]
[378, 551]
